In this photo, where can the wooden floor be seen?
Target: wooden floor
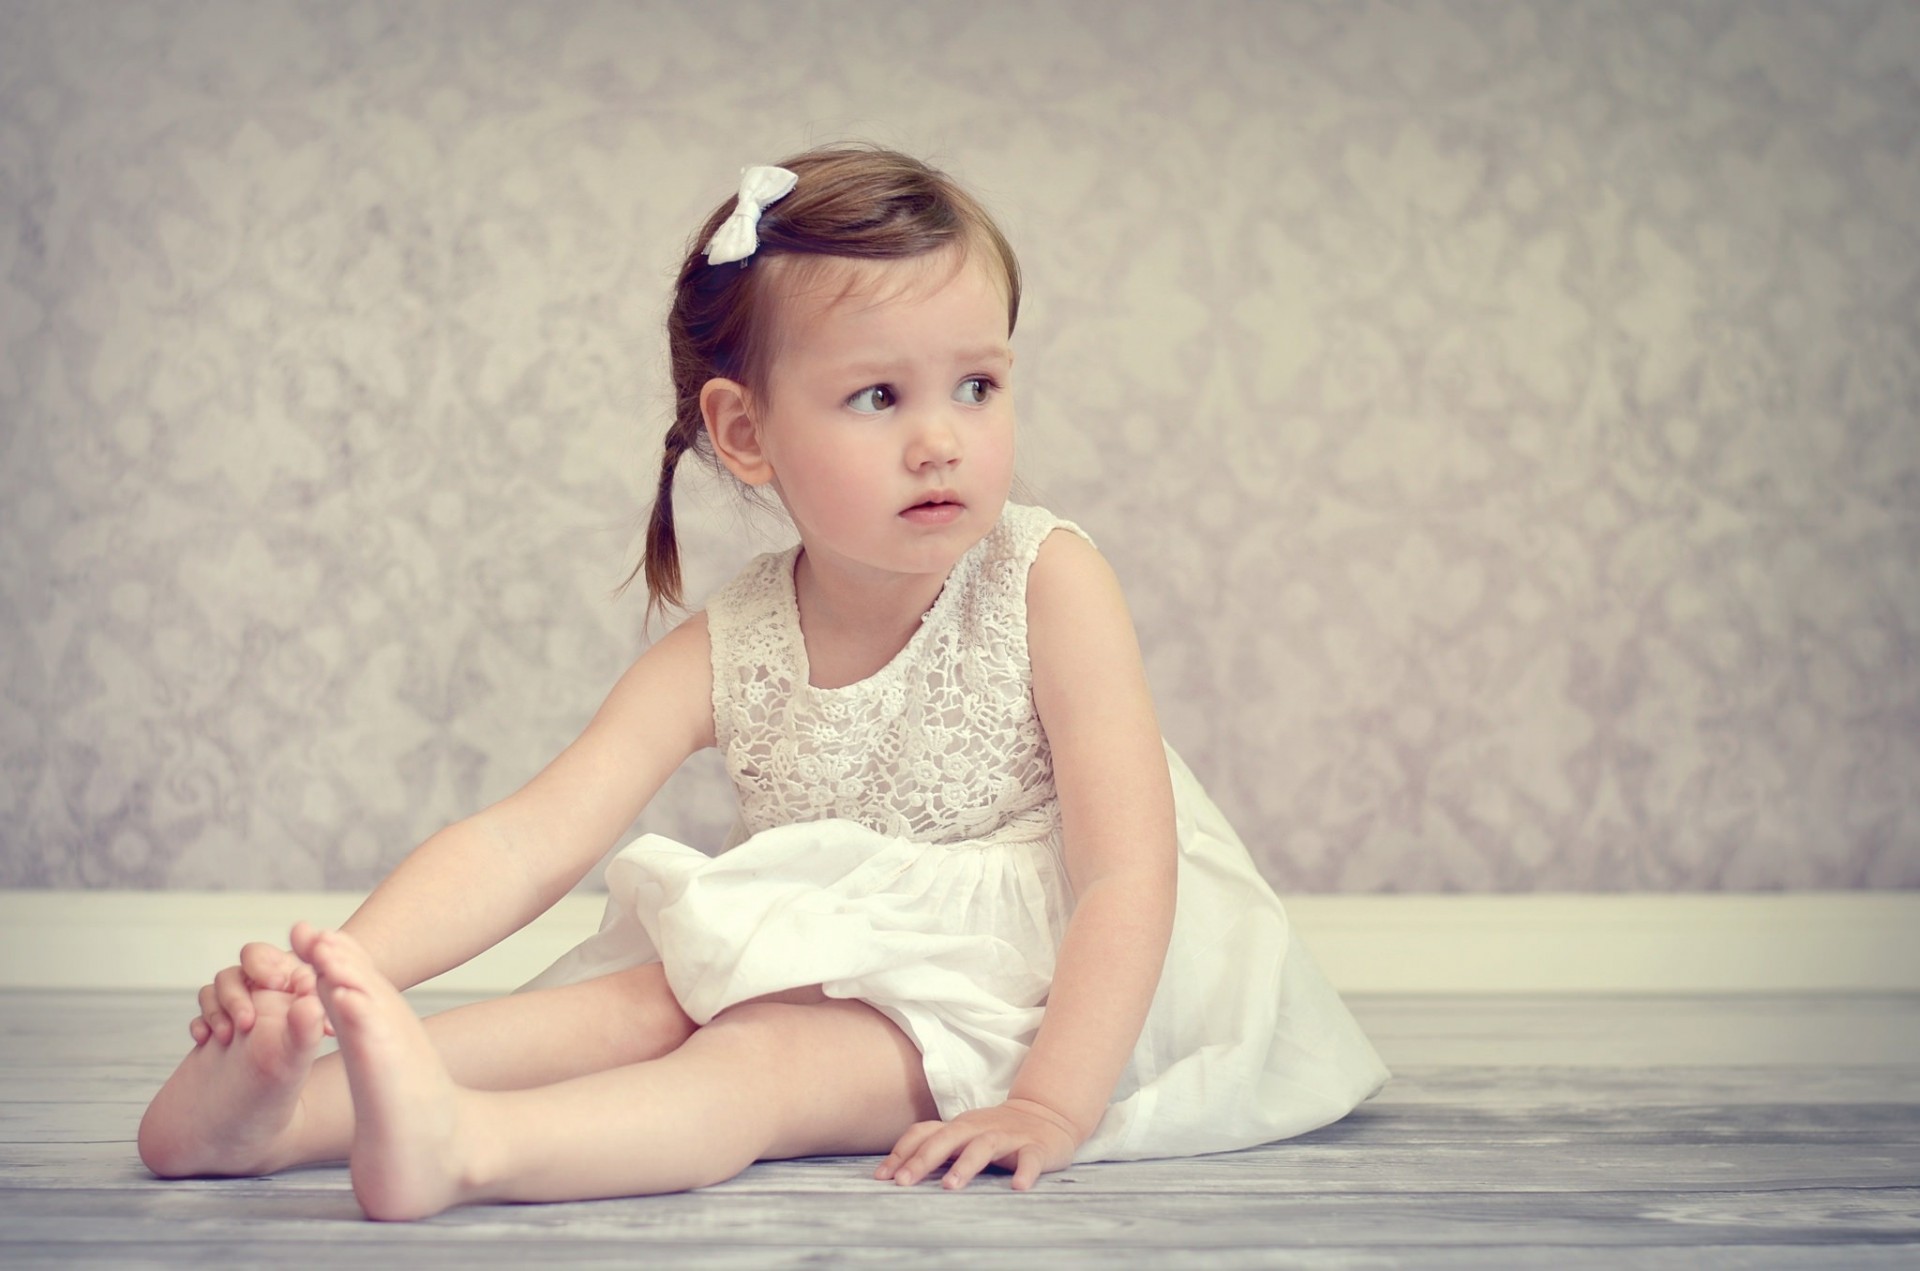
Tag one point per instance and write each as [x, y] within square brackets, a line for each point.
[1572, 1132]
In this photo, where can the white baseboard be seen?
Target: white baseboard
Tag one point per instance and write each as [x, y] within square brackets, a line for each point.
[1616, 943]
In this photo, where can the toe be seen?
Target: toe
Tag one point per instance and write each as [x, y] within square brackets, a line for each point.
[329, 957]
[346, 1005]
[303, 939]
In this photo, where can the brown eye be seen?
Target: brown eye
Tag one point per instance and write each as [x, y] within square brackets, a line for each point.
[974, 390]
[872, 400]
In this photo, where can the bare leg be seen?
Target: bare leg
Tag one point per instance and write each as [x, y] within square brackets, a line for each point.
[764, 1080]
[262, 1103]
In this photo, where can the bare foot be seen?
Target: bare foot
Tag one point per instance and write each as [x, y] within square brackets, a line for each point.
[230, 1107]
[411, 1157]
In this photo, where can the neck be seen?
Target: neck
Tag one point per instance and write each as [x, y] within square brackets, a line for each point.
[852, 626]
[854, 599]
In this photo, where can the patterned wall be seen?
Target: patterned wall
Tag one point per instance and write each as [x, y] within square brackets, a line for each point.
[1506, 417]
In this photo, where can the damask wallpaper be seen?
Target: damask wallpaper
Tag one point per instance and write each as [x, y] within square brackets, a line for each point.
[1505, 417]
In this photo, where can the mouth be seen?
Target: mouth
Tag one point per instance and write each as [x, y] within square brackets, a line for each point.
[939, 506]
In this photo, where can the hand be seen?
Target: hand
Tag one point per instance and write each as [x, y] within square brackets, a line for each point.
[226, 1005]
[1026, 1137]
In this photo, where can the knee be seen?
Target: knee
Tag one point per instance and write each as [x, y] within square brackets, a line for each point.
[758, 1018]
[804, 1040]
[762, 1026]
[646, 1021]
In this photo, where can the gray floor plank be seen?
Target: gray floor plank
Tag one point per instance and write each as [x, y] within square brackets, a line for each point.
[1582, 1132]
[982, 1219]
[624, 1254]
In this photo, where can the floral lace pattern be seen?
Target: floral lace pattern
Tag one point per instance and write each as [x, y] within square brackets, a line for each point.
[941, 745]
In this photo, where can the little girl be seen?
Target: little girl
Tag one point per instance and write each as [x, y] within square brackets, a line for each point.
[976, 913]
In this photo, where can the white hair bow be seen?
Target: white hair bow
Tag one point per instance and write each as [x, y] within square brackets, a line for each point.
[738, 235]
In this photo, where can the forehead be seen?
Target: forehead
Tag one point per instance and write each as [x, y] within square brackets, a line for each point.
[810, 290]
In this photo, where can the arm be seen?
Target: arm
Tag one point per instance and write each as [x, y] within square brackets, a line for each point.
[475, 882]
[478, 881]
[1116, 808]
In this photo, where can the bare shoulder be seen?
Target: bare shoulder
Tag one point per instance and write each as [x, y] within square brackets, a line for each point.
[1079, 634]
[687, 640]
[1073, 593]
[669, 688]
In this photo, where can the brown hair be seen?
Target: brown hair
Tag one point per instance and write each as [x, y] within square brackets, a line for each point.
[857, 202]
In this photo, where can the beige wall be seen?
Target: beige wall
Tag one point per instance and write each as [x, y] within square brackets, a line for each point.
[1506, 417]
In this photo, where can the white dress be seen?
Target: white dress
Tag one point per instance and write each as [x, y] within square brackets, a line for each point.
[900, 845]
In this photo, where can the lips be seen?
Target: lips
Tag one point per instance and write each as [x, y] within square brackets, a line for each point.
[938, 498]
[938, 508]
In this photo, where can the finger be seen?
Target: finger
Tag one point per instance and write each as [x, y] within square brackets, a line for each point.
[920, 1162]
[1026, 1168]
[903, 1152]
[197, 1026]
[936, 1151]
[305, 1022]
[972, 1159]
[219, 1025]
[267, 965]
[906, 1146]
[903, 1147]
[235, 997]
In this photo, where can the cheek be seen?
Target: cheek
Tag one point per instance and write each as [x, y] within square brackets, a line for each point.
[1004, 444]
[825, 473]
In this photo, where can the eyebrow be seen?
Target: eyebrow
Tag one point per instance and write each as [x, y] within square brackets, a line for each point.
[965, 357]
[986, 353]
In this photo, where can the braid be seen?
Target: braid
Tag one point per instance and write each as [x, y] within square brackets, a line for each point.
[662, 563]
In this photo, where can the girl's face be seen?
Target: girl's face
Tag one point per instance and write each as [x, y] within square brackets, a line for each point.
[888, 418]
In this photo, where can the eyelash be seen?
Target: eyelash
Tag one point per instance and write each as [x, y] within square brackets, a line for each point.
[988, 387]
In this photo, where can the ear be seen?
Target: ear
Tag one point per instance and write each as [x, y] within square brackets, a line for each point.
[726, 407]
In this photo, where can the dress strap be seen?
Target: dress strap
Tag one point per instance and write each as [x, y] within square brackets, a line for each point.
[1022, 529]
[748, 637]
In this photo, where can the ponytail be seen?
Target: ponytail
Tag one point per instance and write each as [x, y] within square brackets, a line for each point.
[662, 562]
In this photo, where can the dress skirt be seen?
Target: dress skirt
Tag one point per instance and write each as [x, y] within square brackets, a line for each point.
[1246, 1041]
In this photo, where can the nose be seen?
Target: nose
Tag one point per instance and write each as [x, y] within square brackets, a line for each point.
[935, 442]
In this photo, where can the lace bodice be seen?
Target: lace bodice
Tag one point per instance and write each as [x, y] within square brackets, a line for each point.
[941, 744]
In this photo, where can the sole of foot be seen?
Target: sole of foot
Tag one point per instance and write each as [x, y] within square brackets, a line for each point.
[230, 1107]
[408, 1159]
